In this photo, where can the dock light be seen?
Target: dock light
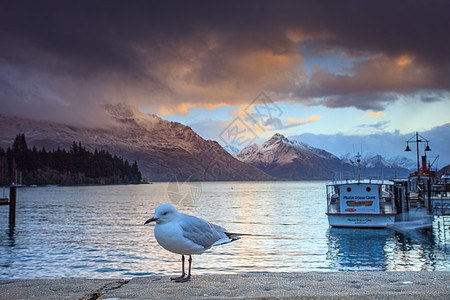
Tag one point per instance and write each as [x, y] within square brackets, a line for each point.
[417, 139]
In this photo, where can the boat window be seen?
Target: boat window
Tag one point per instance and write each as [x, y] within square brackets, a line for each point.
[349, 189]
[368, 189]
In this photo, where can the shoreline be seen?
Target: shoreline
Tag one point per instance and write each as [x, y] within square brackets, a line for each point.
[308, 285]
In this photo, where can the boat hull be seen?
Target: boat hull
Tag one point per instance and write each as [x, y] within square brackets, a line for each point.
[361, 220]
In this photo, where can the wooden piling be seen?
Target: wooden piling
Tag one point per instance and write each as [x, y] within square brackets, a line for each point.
[12, 205]
[430, 204]
[406, 198]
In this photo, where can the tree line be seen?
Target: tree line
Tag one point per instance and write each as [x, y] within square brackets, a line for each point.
[77, 165]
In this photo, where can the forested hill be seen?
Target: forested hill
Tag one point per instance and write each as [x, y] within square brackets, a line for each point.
[67, 167]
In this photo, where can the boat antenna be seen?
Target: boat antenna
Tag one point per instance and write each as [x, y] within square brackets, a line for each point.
[358, 160]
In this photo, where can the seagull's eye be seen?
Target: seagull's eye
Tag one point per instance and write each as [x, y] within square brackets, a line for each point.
[165, 213]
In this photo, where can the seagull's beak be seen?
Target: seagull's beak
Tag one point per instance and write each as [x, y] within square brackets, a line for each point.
[150, 220]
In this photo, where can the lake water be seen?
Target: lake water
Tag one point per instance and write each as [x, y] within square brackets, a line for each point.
[98, 231]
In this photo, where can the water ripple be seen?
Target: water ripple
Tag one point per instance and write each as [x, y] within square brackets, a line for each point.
[98, 231]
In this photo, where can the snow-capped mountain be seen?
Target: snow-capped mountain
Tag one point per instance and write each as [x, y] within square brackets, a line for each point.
[374, 163]
[283, 158]
[162, 149]
[290, 159]
[404, 162]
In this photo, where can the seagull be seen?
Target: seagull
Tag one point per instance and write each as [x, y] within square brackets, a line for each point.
[186, 235]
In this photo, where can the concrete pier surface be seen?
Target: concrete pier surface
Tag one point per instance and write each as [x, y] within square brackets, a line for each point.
[308, 285]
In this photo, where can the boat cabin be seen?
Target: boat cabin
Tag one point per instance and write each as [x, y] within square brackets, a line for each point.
[361, 203]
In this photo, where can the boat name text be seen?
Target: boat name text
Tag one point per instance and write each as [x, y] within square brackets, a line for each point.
[359, 197]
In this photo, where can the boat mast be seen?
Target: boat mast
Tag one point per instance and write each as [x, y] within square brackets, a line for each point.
[358, 160]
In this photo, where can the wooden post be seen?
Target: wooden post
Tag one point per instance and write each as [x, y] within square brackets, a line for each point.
[406, 198]
[430, 204]
[12, 205]
[398, 199]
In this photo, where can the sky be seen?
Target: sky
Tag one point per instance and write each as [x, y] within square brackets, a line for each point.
[235, 71]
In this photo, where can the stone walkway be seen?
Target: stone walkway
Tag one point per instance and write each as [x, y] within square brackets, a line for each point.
[311, 285]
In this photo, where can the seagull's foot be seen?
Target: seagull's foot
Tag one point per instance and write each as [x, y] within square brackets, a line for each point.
[183, 279]
[177, 279]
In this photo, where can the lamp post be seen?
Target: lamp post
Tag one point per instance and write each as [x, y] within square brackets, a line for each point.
[417, 138]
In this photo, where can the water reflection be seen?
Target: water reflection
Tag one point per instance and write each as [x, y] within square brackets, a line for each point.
[352, 249]
[11, 233]
[416, 251]
[99, 232]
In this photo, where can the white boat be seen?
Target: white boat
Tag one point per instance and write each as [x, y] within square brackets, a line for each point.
[361, 203]
[412, 204]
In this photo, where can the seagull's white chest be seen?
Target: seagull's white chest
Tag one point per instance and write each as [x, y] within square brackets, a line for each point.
[170, 237]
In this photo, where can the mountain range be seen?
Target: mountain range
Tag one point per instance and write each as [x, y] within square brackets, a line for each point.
[284, 158]
[167, 151]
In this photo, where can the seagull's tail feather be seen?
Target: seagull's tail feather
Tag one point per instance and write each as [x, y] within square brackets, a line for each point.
[231, 237]
[234, 236]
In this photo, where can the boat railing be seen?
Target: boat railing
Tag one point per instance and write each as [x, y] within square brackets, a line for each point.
[369, 181]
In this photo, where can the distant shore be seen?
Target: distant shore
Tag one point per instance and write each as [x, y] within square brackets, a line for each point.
[152, 182]
[308, 285]
[81, 184]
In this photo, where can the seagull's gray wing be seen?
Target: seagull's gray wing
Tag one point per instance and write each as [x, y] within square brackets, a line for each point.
[201, 232]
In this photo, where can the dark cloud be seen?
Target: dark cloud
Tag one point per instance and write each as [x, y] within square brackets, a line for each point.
[274, 123]
[364, 101]
[433, 96]
[62, 55]
[378, 126]
[373, 82]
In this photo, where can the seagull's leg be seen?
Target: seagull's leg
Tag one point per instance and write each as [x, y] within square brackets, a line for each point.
[190, 264]
[187, 278]
[177, 279]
